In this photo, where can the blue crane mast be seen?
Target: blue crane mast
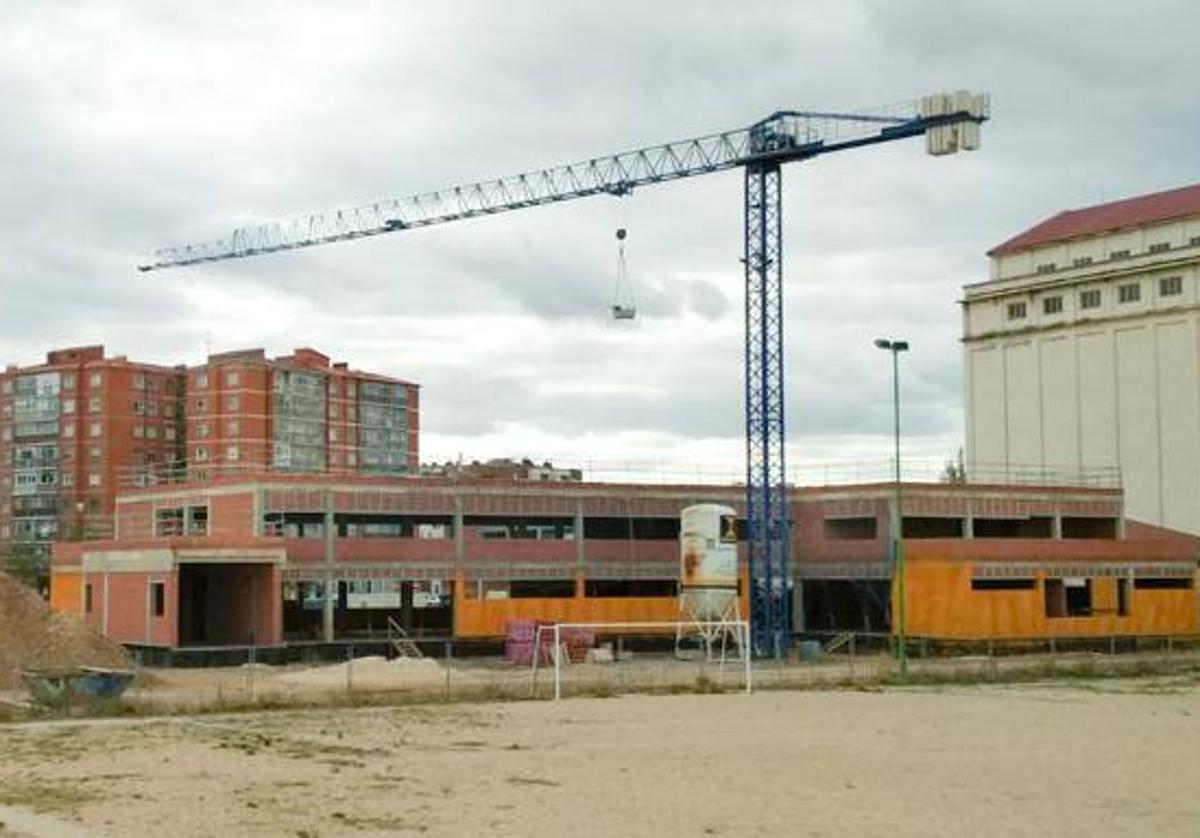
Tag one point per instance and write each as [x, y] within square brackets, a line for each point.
[949, 122]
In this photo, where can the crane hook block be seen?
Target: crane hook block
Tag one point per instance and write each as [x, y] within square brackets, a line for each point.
[620, 234]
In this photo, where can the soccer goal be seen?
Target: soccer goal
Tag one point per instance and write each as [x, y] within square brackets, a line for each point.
[594, 653]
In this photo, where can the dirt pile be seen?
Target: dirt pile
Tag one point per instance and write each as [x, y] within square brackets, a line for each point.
[33, 637]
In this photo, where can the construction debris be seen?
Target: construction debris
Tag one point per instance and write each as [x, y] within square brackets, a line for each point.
[34, 637]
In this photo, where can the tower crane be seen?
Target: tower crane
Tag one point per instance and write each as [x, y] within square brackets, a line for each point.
[948, 121]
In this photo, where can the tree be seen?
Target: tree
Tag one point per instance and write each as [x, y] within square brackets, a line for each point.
[955, 471]
[25, 563]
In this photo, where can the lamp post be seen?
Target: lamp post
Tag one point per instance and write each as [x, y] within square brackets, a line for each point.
[896, 347]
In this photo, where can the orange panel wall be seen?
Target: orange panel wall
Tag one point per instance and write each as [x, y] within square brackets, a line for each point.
[65, 592]
[941, 604]
[478, 618]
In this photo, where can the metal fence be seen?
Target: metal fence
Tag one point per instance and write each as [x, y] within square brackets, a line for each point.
[360, 673]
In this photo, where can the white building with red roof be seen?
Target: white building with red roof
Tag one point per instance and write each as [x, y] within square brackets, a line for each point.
[1082, 350]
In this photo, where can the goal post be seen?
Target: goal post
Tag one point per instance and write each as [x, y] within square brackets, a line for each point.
[554, 641]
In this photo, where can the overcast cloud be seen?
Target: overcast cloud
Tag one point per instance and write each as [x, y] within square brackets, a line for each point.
[128, 126]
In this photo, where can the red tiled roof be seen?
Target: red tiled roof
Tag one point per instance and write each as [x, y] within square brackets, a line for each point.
[1103, 218]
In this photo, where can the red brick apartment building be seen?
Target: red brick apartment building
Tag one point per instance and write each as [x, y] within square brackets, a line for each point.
[76, 430]
[80, 428]
[246, 413]
[272, 559]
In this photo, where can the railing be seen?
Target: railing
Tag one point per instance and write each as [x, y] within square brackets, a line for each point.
[652, 472]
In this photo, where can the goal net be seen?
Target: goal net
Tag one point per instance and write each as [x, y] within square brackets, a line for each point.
[611, 658]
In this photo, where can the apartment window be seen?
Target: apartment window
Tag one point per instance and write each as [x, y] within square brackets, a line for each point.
[139, 408]
[233, 427]
[1016, 311]
[231, 453]
[68, 381]
[232, 379]
[235, 403]
[139, 431]
[1089, 299]
[1170, 286]
[1119, 254]
[94, 405]
[151, 432]
[1194, 241]
[1129, 293]
[7, 387]
[158, 598]
[351, 458]
[1052, 305]
[201, 379]
[95, 379]
[94, 429]
[151, 408]
[139, 382]
[201, 405]
[1046, 268]
[68, 406]
[335, 411]
[68, 430]
[1082, 261]
[168, 410]
[93, 480]
[202, 430]
[169, 433]
[333, 434]
[95, 452]
[201, 454]
[1160, 247]
[68, 479]
[333, 388]
[349, 389]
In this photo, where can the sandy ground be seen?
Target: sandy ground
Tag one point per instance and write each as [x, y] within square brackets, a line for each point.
[1116, 757]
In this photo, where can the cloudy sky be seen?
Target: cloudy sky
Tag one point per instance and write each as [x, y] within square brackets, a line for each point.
[128, 126]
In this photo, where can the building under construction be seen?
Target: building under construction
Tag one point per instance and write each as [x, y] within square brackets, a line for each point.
[271, 559]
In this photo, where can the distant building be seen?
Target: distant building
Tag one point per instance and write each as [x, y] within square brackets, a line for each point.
[504, 469]
[79, 428]
[299, 412]
[1083, 350]
[73, 431]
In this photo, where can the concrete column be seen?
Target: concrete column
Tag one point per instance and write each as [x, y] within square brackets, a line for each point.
[969, 527]
[331, 582]
[460, 544]
[459, 574]
[1056, 526]
[256, 525]
[580, 550]
[331, 587]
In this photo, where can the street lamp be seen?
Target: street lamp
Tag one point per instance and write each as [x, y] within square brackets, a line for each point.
[896, 347]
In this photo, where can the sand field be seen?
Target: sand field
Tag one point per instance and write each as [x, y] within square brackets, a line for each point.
[1111, 757]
